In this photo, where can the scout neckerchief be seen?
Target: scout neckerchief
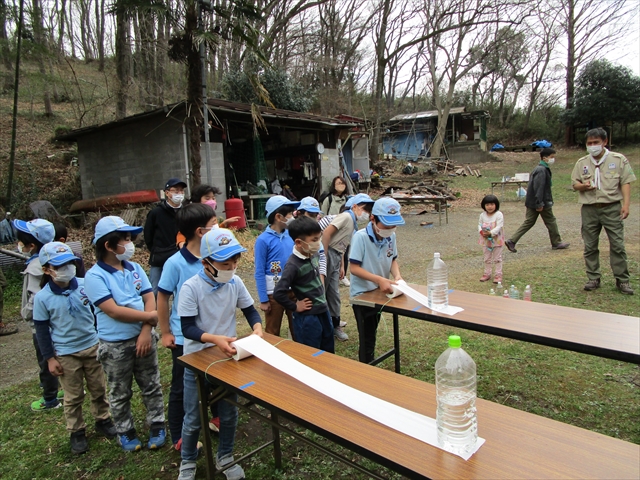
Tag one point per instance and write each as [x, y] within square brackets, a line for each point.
[597, 164]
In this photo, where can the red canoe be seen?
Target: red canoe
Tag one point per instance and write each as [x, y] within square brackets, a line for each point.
[111, 202]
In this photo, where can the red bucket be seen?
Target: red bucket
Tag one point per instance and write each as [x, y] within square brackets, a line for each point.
[234, 207]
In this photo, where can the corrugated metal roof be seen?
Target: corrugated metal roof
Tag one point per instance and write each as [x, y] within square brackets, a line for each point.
[429, 114]
[218, 106]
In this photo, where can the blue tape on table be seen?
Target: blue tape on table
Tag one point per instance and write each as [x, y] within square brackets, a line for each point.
[319, 352]
[246, 385]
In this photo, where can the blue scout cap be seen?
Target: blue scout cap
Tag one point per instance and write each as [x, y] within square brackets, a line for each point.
[172, 182]
[277, 201]
[220, 244]
[41, 229]
[309, 204]
[56, 254]
[358, 199]
[388, 212]
[112, 223]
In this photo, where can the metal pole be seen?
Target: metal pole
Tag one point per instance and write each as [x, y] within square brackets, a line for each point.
[205, 107]
[14, 126]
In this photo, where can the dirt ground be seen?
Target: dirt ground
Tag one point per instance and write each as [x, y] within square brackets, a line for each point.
[456, 241]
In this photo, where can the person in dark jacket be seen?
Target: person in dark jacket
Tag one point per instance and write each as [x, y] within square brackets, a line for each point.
[539, 202]
[161, 228]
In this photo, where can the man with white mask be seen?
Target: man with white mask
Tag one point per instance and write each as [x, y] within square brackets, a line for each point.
[602, 179]
[161, 229]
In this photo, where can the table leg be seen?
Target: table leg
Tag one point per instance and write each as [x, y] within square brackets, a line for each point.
[396, 341]
[446, 212]
[204, 425]
[277, 451]
[440, 214]
[251, 209]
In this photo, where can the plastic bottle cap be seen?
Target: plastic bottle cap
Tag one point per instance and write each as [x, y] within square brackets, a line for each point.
[454, 341]
[436, 255]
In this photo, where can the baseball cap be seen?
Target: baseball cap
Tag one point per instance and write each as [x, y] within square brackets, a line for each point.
[278, 201]
[309, 204]
[112, 223]
[56, 254]
[358, 199]
[172, 182]
[388, 211]
[220, 244]
[41, 229]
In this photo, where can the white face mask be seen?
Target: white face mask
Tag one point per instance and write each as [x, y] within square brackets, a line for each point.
[551, 161]
[312, 247]
[287, 221]
[222, 276]
[21, 247]
[363, 217]
[177, 198]
[65, 273]
[594, 150]
[129, 250]
[386, 233]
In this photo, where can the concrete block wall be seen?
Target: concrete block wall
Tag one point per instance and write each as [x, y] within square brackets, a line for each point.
[131, 157]
[329, 168]
[218, 178]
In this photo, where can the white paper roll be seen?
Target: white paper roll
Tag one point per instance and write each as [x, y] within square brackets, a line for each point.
[241, 353]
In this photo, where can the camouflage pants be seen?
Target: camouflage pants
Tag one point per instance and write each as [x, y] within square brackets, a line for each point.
[121, 365]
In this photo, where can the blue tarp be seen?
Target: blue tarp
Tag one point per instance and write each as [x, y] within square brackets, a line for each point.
[542, 144]
[497, 146]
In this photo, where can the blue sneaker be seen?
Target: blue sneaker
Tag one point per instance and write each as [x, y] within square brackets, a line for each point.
[157, 437]
[129, 441]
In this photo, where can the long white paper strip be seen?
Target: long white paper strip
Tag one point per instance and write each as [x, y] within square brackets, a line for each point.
[401, 419]
[423, 300]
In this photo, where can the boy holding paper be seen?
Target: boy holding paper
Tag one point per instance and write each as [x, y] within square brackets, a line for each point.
[374, 255]
[207, 308]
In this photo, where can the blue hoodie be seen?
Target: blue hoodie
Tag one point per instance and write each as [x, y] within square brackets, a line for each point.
[272, 249]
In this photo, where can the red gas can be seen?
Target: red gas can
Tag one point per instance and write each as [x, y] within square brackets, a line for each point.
[234, 207]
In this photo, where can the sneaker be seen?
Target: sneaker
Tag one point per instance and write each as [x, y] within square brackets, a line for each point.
[187, 470]
[41, 405]
[497, 279]
[340, 335]
[232, 473]
[79, 442]
[485, 277]
[560, 246]
[106, 428]
[343, 324]
[511, 246]
[8, 328]
[157, 437]
[129, 441]
[592, 284]
[214, 424]
[345, 281]
[624, 287]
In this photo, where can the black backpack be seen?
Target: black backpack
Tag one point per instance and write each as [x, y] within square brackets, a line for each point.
[322, 198]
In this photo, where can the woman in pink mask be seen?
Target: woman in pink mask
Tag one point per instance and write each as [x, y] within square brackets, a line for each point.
[206, 194]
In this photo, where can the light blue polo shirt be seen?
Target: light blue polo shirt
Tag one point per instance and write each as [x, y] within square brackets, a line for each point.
[180, 267]
[374, 255]
[69, 314]
[214, 307]
[126, 287]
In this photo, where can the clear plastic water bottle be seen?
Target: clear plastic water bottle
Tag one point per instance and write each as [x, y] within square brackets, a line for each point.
[527, 294]
[492, 292]
[437, 283]
[499, 287]
[456, 399]
[513, 292]
[505, 294]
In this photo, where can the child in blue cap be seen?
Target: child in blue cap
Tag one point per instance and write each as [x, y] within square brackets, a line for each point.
[64, 322]
[207, 308]
[271, 252]
[32, 236]
[373, 257]
[126, 314]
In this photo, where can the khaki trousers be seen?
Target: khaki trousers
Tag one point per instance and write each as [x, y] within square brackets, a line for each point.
[273, 318]
[77, 368]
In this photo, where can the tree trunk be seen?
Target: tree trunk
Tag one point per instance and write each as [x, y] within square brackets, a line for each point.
[62, 21]
[571, 68]
[100, 33]
[40, 41]
[5, 51]
[381, 64]
[70, 33]
[194, 92]
[123, 68]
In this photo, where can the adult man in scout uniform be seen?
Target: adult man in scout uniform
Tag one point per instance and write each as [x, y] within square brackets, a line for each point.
[602, 180]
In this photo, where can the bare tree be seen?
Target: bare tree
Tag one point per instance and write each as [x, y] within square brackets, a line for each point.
[40, 39]
[592, 28]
